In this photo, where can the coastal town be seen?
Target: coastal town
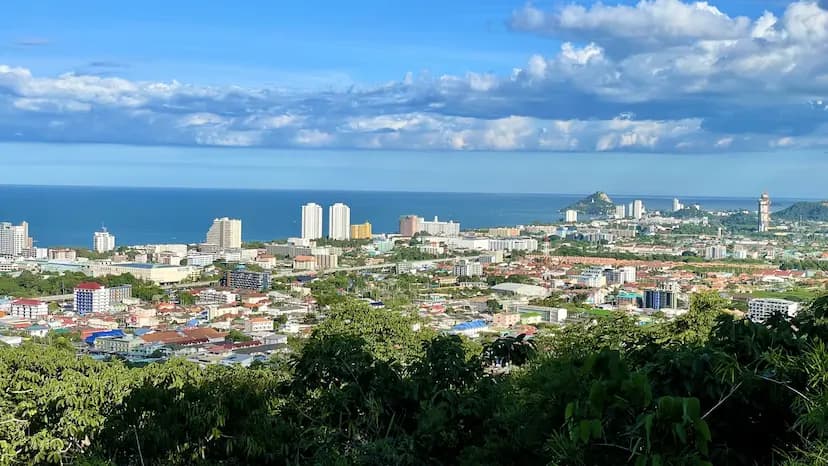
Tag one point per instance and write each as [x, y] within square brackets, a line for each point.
[229, 302]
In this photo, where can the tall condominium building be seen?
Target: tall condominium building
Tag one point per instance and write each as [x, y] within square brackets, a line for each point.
[361, 231]
[339, 221]
[677, 205]
[103, 241]
[14, 238]
[620, 211]
[90, 298]
[764, 212]
[637, 209]
[311, 221]
[409, 225]
[760, 309]
[226, 233]
[571, 216]
[439, 228]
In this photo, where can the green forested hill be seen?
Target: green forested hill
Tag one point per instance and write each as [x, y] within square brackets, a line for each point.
[595, 204]
[808, 211]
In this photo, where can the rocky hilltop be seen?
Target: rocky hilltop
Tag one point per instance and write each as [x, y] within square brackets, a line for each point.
[595, 204]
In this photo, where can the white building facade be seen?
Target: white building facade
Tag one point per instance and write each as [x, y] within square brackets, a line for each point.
[339, 221]
[226, 233]
[760, 309]
[311, 221]
[103, 241]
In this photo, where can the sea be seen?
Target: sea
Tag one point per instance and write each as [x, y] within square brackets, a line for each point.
[68, 216]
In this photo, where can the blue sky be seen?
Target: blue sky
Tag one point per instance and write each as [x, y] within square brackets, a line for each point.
[655, 77]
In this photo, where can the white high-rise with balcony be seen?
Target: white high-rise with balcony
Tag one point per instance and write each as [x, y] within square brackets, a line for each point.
[637, 209]
[339, 221]
[225, 233]
[14, 238]
[103, 241]
[311, 221]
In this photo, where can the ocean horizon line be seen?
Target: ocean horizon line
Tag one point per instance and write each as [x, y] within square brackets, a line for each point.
[406, 191]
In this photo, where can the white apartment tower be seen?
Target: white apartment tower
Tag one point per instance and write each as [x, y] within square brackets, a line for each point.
[14, 238]
[571, 216]
[620, 211]
[339, 221]
[103, 241]
[764, 212]
[677, 205]
[637, 209]
[311, 221]
[226, 233]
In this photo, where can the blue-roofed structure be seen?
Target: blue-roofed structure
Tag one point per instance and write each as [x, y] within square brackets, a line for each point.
[90, 340]
[471, 328]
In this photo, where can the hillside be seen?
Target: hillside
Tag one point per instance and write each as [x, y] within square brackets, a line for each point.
[594, 204]
[812, 211]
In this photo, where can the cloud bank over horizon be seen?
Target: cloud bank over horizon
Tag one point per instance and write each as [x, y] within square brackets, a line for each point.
[660, 75]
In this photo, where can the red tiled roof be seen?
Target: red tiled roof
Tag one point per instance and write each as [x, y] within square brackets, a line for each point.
[89, 286]
[27, 302]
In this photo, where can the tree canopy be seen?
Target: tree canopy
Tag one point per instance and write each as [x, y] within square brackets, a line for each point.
[369, 387]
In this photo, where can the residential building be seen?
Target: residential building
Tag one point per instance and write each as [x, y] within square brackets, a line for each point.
[200, 259]
[119, 294]
[592, 277]
[91, 297]
[241, 278]
[715, 252]
[637, 209]
[660, 299]
[289, 250]
[505, 319]
[304, 263]
[409, 225]
[571, 216]
[29, 309]
[760, 309]
[326, 261]
[513, 244]
[226, 233]
[764, 212]
[121, 345]
[258, 324]
[628, 274]
[677, 205]
[62, 254]
[14, 238]
[158, 273]
[504, 232]
[438, 228]
[468, 269]
[311, 221]
[211, 296]
[103, 241]
[361, 231]
[339, 221]
[620, 211]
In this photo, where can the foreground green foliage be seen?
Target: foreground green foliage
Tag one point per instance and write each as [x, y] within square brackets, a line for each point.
[369, 388]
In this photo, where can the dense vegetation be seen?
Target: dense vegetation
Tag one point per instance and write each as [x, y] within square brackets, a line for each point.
[367, 388]
[27, 284]
[804, 211]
